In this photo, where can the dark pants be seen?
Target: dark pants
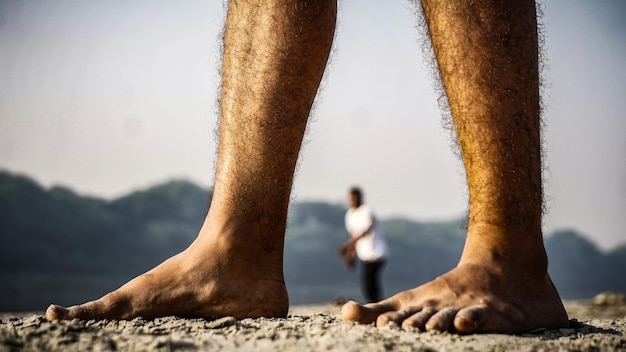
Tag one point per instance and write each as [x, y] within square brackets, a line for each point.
[370, 280]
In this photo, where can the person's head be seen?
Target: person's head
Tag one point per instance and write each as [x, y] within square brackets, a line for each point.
[355, 197]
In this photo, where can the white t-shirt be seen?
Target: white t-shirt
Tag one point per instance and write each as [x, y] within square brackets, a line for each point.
[372, 246]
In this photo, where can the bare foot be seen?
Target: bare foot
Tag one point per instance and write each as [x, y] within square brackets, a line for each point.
[209, 279]
[471, 298]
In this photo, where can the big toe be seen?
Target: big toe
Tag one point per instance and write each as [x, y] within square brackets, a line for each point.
[355, 312]
[110, 306]
[364, 314]
[55, 312]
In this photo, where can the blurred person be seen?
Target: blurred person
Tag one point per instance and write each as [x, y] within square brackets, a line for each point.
[368, 242]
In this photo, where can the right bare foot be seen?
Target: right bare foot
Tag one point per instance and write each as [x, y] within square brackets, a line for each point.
[493, 289]
[475, 298]
[211, 278]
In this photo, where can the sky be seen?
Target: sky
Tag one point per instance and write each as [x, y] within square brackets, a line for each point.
[107, 97]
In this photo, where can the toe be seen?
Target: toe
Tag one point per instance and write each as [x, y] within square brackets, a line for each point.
[469, 320]
[111, 306]
[365, 314]
[55, 312]
[442, 320]
[419, 319]
[396, 316]
[84, 311]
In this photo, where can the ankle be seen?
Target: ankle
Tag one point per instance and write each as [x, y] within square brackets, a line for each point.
[511, 250]
[244, 249]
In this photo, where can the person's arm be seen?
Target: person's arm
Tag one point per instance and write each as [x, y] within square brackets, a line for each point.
[355, 238]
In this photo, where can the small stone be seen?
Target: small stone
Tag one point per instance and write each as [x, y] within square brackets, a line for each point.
[221, 323]
[609, 299]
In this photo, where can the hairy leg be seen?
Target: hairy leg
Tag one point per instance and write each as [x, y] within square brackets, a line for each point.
[487, 54]
[275, 53]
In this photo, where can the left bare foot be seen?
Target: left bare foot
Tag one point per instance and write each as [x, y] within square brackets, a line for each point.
[216, 276]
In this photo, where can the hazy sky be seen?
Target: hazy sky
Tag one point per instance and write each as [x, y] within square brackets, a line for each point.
[110, 96]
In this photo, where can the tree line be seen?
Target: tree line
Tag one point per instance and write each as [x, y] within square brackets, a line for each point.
[58, 246]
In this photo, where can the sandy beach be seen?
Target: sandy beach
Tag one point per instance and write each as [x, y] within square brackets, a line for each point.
[594, 326]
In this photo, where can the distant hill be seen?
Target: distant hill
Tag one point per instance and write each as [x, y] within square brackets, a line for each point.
[58, 246]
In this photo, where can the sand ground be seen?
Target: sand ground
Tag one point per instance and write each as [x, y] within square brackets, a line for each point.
[593, 327]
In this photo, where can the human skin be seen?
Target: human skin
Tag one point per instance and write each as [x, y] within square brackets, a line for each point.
[275, 53]
[487, 55]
